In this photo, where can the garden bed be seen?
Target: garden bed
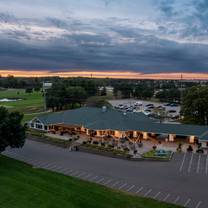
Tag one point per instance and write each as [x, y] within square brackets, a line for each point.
[151, 155]
[106, 151]
[41, 137]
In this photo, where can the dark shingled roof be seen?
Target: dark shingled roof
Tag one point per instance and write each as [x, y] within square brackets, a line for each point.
[96, 119]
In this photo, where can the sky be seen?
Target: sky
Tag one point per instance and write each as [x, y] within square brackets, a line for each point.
[114, 38]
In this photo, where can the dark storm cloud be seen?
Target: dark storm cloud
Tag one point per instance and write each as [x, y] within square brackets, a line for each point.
[167, 7]
[176, 41]
[148, 58]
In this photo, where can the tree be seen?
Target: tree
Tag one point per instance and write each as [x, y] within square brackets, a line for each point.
[169, 95]
[97, 101]
[12, 133]
[103, 91]
[75, 95]
[29, 90]
[126, 89]
[37, 89]
[195, 105]
[60, 96]
[142, 91]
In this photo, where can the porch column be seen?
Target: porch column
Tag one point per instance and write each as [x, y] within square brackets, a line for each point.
[98, 133]
[118, 134]
[145, 135]
[135, 134]
[171, 138]
[191, 139]
[82, 129]
[87, 132]
[204, 144]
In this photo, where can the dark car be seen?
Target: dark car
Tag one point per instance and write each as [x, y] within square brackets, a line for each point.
[150, 105]
[200, 150]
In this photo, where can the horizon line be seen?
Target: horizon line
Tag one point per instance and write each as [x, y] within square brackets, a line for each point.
[106, 74]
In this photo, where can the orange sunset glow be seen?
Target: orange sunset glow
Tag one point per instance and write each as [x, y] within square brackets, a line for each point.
[104, 74]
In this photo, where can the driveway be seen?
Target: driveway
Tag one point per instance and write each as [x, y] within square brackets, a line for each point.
[182, 181]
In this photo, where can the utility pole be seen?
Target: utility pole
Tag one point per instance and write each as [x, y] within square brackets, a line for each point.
[181, 90]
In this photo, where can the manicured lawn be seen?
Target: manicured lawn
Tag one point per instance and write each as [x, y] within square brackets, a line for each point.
[30, 103]
[21, 186]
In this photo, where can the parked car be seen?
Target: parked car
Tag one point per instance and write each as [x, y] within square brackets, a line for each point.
[150, 105]
[200, 150]
[174, 105]
[172, 111]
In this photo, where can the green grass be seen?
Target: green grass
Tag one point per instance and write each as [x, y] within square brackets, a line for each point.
[22, 186]
[30, 103]
[151, 155]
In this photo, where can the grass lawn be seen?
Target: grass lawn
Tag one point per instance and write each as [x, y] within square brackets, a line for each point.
[21, 186]
[30, 103]
[152, 155]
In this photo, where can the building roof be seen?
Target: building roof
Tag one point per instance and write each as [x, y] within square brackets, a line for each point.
[96, 119]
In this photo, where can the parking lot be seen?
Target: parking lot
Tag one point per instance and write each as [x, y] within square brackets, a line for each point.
[193, 164]
[182, 181]
[143, 107]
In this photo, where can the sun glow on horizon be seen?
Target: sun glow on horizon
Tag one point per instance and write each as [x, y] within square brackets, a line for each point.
[105, 74]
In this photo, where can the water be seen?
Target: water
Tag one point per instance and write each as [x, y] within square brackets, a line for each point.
[9, 100]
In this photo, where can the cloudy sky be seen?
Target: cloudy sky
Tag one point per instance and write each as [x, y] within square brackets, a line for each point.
[148, 37]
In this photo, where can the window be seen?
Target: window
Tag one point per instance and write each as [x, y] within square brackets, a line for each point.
[38, 126]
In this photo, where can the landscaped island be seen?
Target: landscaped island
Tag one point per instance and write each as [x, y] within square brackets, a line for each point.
[23, 186]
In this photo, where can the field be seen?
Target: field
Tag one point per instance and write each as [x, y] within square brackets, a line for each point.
[30, 103]
[23, 186]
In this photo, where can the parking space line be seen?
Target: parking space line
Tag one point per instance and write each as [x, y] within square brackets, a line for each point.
[139, 190]
[47, 165]
[190, 162]
[147, 193]
[81, 174]
[65, 171]
[94, 178]
[69, 172]
[187, 202]
[87, 176]
[52, 167]
[165, 199]
[156, 195]
[99, 181]
[198, 204]
[37, 164]
[206, 167]
[115, 184]
[182, 163]
[122, 186]
[129, 189]
[59, 168]
[198, 164]
[75, 173]
[107, 182]
[176, 200]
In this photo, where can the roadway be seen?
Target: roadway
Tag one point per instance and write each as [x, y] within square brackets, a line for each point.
[182, 181]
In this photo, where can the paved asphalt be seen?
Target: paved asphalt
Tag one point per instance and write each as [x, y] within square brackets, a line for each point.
[182, 181]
